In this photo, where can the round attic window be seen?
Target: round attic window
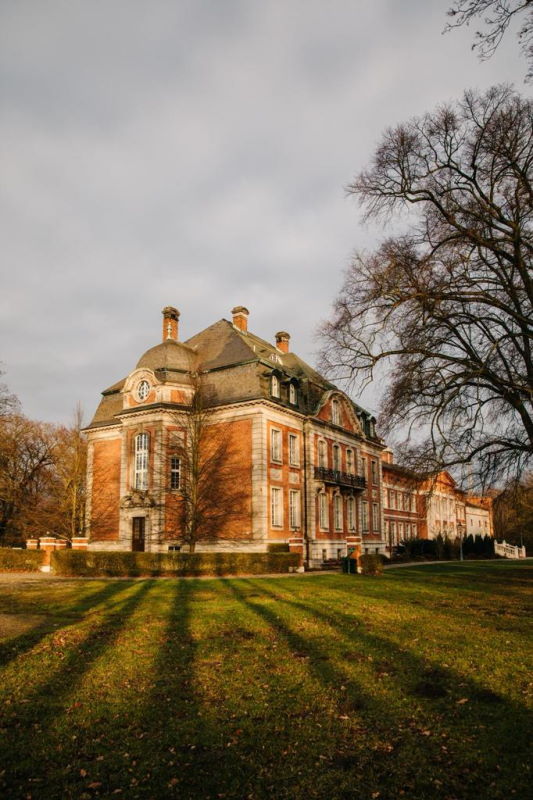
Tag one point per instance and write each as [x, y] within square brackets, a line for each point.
[143, 390]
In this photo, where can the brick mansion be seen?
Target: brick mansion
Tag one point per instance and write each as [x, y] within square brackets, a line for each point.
[310, 468]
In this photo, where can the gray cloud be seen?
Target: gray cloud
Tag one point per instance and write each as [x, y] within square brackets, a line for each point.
[193, 153]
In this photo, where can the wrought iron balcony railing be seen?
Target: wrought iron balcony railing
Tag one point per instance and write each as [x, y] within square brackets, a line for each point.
[339, 478]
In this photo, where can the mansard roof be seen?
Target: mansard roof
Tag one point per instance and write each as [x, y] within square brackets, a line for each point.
[238, 366]
[168, 355]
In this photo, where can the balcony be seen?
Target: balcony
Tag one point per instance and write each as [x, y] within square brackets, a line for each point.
[339, 478]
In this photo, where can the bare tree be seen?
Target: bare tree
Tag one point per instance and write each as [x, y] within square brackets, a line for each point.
[62, 507]
[212, 500]
[9, 403]
[26, 463]
[447, 306]
[513, 513]
[496, 15]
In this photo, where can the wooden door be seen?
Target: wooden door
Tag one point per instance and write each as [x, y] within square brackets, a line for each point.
[137, 534]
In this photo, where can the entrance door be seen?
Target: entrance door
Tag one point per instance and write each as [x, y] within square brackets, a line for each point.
[137, 534]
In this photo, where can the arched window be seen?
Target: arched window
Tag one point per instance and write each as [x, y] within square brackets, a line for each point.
[335, 412]
[337, 512]
[274, 386]
[351, 512]
[293, 395]
[142, 442]
[323, 513]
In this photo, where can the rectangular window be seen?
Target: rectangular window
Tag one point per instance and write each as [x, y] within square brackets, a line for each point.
[393, 532]
[400, 530]
[275, 445]
[294, 508]
[349, 462]
[363, 466]
[323, 515]
[351, 513]
[336, 458]
[364, 515]
[294, 450]
[276, 507]
[393, 499]
[375, 519]
[374, 469]
[322, 454]
[337, 512]
[175, 472]
[141, 462]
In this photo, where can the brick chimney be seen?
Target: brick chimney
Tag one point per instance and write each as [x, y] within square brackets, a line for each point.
[240, 317]
[171, 317]
[282, 341]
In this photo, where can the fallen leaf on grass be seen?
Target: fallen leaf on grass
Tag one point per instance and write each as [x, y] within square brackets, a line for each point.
[462, 700]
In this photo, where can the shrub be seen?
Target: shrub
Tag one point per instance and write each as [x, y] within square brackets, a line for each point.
[278, 547]
[125, 564]
[20, 560]
[371, 564]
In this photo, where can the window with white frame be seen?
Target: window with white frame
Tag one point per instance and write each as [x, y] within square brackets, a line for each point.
[337, 512]
[350, 508]
[142, 442]
[364, 515]
[294, 450]
[323, 516]
[294, 508]
[349, 462]
[413, 502]
[336, 457]
[375, 517]
[405, 501]
[293, 394]
[322, 454]
[335, 412]
[400, 531]
[274, 386]
[175, 472]
[275, 445]
[393, 532]
[276, 506]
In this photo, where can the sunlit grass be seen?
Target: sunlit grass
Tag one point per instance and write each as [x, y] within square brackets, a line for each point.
[415, 685]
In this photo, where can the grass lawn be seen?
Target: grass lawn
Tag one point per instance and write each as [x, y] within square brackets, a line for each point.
[416, 684]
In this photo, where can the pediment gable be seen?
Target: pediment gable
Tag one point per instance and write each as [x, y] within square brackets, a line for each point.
[334, 405]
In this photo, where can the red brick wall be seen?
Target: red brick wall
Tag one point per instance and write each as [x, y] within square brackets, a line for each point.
[105, 490]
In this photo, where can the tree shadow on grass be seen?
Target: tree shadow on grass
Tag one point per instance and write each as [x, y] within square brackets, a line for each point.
[419, 712]
[13, 648]
[34, 754]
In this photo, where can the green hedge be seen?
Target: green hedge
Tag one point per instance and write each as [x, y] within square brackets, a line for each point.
[20, 560]
[121, 564]
[278, 547]
[371, 564]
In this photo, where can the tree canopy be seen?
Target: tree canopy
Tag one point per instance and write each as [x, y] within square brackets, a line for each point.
[446, 303]
[496, 16]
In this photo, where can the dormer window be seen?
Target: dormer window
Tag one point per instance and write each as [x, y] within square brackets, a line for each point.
[293, 394]
[275, 386]
[335, 412]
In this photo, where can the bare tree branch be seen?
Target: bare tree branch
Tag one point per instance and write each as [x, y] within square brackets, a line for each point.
[448, 307]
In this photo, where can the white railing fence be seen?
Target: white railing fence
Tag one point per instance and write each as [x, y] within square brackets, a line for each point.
[509, 550]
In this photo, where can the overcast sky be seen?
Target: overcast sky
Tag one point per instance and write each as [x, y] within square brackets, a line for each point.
[195, 154]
